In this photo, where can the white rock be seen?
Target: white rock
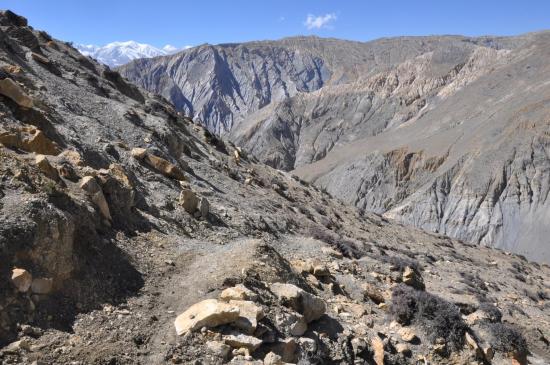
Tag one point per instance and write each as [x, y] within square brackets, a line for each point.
[208, 313]
[22, 279]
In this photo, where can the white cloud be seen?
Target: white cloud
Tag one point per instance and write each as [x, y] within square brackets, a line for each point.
[169, 48]
[318, 22]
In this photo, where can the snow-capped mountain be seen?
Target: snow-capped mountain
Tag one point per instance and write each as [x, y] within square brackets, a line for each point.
[119, 53]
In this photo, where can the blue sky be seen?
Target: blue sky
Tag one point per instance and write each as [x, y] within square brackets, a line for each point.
[195, 22]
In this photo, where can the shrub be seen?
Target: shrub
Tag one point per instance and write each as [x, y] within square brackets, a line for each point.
[401, 262]
[437, 317]
[474, 282]
[507, 338]
[494, 314]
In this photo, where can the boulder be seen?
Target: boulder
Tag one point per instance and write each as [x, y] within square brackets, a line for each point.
[249, 315]
[378, 349]
[17, 346]
[138, 153]
[291, 323]
[168, 169]
[159, 164]
[310, 306]
[30, 140]
[46, 168]
[373, 293]
[412, 278]
[239, 340]
[403, 348]
[73, 157]
[320, 270]
[21, 279]
[219, 348]
[301, 266]
[8, 17]
[331, 252]
[472, 343]
[406, 334]
[40, 59]
[358, 345]
[42, 285]
[208, 313]
[10, 89]
[90, 185]
[273, 359]
[286, 349]
[238, 292]
[189, 200]
[204, 207]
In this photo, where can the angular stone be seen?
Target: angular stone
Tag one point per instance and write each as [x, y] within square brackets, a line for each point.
[286, 349]
[320, 271]
[46, 168]
[239, 340]
[159, 164]
[249, 315]
[12, 90]
[168, 169]
[358, 345]
[411, 278]
[238, 292]
[208, 313]
[219, 348]
[40, 59]
[373, 293]
[29, 139]
[273, 359]
[302, 266]
[204, 207]
[138, 153]
[90, 185]
[403, 348]
[17, 346]
[22, 279]
[42, 285]
[331, 252]
[188, 199]
[378, 349]
[310, 306]
[406, 334]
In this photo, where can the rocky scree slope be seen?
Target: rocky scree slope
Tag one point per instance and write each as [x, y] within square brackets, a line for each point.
[448, 134]
[131, 235]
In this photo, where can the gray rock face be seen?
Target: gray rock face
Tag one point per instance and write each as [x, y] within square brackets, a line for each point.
[444, 133]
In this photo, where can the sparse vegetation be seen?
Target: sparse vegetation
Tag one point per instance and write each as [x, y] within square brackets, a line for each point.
[494, 314]
[437, 317]
[401, 262]
[507, 338]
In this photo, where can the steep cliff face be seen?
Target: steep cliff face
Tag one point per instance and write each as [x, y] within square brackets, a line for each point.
[221, 85]
[473, 162]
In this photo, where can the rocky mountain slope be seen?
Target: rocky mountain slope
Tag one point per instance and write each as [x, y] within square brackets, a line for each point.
[131, 235]
[449, 134]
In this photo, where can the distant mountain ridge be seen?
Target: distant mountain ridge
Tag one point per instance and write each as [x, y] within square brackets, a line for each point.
[445, 133]
[119, 53]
